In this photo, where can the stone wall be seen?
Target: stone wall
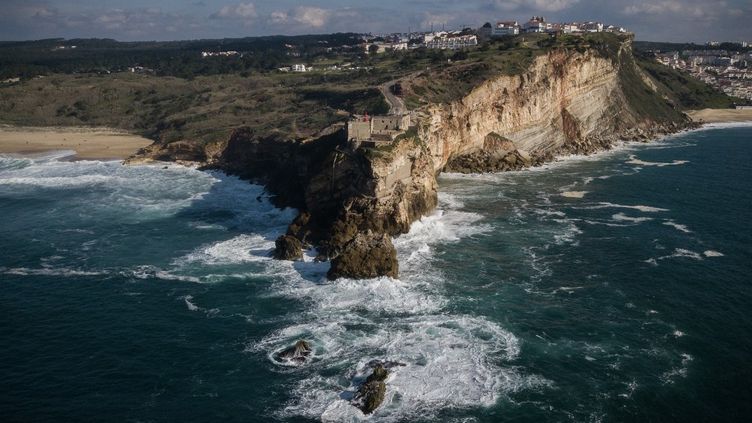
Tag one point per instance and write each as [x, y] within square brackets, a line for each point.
[358, 130]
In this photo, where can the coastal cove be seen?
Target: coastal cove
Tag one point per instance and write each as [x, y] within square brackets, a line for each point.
[609, 287]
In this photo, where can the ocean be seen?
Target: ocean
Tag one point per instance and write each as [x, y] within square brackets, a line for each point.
[608, 288]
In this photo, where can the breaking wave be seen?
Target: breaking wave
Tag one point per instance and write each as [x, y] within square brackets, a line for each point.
[635, 161]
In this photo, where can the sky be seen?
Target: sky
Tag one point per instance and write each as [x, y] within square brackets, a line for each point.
[655, 20]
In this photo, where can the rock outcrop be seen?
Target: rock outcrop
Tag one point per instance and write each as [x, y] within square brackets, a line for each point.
[371, 393]
[288, 247]
[296, 354]
[367, 255]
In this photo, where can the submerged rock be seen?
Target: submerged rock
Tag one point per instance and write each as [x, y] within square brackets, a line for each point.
[288, 247]
[297, 354]
[371, 394]
[368, 255]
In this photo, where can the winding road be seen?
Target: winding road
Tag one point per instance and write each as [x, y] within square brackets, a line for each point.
[396, 105]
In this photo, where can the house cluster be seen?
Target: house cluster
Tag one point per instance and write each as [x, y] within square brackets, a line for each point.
[58, 48]
[378, 47]
[450, 40]
[372, 131]
[728, 71]
[141, 70]
[298, 67]
[539, 24]
[442, 40]
[228, 53]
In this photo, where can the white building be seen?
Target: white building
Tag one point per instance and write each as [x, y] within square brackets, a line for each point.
[592, 27]
[384, 47]
[301, 68]
[536, 24]
[452, 42]
[570, 28]
[503, 29]
[219, 53]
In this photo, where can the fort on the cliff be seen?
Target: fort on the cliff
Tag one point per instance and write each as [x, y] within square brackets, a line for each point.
[372, 131]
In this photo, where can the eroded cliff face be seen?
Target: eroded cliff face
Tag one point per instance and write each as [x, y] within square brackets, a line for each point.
[567, 102]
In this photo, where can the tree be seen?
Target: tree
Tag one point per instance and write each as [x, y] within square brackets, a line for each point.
[459, 55]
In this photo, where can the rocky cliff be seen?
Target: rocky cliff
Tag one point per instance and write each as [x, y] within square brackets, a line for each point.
[567, 102]
[353, 200]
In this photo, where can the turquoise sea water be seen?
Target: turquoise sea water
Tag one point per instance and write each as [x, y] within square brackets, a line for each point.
[609, 288]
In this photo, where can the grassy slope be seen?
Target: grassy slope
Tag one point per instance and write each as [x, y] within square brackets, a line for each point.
[203, 109]
[684, 90]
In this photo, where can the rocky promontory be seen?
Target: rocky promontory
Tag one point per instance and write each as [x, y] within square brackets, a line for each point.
[354, 198]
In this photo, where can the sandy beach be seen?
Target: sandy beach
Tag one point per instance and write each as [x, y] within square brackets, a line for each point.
[89, 143]
[720, 115]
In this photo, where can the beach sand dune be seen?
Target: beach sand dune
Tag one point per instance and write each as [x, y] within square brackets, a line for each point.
[89, 143]
[721, 115]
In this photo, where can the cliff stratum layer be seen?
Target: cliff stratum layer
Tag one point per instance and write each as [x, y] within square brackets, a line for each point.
[353, 200]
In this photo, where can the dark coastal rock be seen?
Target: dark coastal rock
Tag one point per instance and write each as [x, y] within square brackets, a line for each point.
[300, 227]
[288, 247]
[491, 161]
[182, 151]
[367, 255]
[371, 393]
[296, 354]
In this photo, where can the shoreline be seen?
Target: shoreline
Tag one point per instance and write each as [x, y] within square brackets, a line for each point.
[88, 143]
[709, 116]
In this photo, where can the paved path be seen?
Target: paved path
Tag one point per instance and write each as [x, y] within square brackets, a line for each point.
[396, 105]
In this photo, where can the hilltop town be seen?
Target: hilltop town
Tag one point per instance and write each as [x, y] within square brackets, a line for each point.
[728, 69]
[452, 40]
[467, 37]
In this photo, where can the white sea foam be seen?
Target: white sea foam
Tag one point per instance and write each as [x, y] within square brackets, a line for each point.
[574, 194]
[240, 249]
[613, 225]
[568, 235]
[149, 272]
[49, 271]
[621, 217]
[678, 253]
[682, 370]
[59, 181]
[725, 125]
[189, 303]
[642, 208]
[677, 226]
[188, 300]
[567, 289]
[712, 253]
[635, 161]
